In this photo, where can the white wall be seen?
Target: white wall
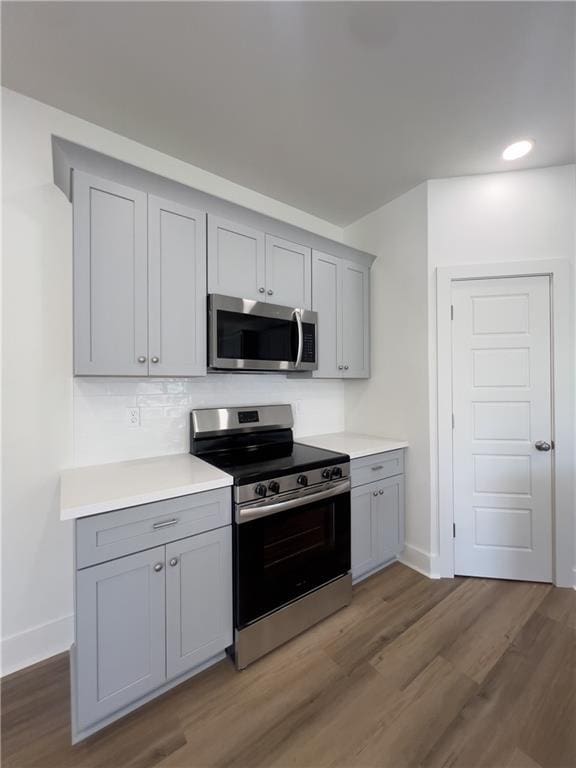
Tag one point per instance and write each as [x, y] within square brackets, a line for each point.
[394, 401]
[51, 422]
[515, 216]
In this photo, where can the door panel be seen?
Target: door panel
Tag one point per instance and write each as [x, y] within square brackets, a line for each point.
[355, 320]
[199, 599]
[110, 278]
[177, 289]
[502, 406]
[120, 632]
[326, 301]
[236, 260]
[366, 530]
[288, 273]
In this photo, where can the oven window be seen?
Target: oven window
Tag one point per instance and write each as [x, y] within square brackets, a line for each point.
[249, 337]
[283, 556]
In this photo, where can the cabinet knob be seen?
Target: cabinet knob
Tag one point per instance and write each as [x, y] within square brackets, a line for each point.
[141, 359]
[261, 290]
[381, 492]
[340, 367]
[173, 561]
[270, 292]
[158, 567]
[346, 367]
[374, 493]
[155, 359]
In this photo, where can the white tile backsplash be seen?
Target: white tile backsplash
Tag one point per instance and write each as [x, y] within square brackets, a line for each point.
[102, 432]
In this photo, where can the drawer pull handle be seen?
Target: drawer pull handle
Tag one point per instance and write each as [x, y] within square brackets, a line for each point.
[165, 523]
[377, 467]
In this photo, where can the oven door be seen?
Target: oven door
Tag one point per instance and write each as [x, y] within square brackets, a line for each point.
[257, 336]
[286, 547]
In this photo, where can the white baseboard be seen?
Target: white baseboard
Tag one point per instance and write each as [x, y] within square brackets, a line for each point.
[419, 560]
[36, 644]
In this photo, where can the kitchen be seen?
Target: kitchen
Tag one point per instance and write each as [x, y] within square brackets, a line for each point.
[140, 272]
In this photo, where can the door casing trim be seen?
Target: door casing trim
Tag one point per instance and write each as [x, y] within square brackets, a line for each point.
[559, 272]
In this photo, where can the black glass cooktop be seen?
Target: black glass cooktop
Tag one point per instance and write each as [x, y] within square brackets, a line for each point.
[251, 464]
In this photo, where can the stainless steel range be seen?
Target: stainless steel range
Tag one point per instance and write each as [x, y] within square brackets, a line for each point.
[291, 523]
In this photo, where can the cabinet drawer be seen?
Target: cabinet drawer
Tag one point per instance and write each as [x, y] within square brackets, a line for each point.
[115, 534]
[373, 468]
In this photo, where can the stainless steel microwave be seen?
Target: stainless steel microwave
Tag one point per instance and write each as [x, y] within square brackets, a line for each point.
[252, 335]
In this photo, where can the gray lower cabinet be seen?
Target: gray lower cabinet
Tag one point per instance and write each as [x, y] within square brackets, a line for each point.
[139, 283]
[146, 621]
[341, 297]
[377, 519]
[120, 636]
[199, 607]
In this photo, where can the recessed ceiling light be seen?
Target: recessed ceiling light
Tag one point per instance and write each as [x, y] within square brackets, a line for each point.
[517, 150]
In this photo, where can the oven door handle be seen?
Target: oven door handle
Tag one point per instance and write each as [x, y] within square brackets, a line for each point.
[254, 511]
[298, 316]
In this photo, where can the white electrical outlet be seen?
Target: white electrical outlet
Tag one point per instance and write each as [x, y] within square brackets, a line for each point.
[133, 416]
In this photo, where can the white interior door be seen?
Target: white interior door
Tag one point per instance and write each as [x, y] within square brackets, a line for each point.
[501, 384]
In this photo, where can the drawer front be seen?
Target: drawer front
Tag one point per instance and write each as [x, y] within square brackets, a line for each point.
[370, 469]
[114, 534]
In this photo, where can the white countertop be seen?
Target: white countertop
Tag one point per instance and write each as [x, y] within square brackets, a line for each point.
[105, 487]
[354, 444]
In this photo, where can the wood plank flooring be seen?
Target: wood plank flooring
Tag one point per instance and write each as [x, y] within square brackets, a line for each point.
[414, 674]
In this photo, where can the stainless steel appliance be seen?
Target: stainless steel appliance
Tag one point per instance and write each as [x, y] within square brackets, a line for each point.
[291, 523]
[256, 336]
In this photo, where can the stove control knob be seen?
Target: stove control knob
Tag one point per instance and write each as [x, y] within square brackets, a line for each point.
[260, 490]
[336, 472]
[274, 487]
[302, 480]
[326, 473]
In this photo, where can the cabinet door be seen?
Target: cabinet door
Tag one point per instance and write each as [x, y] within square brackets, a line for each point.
[176, 289]
[366, 529]
[110, 278]
[327, 301]
[236, 260]
[391, 512]
[199, 599]
[288, 273]
[355, 320]
[120, 633]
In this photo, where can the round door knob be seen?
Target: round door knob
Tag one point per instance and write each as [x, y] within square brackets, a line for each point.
[302, 480]
[155, 359]
[345, 367]
[173, 561]
[141, 359]
[158, 567]
[260, 290]
[381, 492]
[375, 493]
[273, 487]
[260, 490]
[270, 292]
[542, 445]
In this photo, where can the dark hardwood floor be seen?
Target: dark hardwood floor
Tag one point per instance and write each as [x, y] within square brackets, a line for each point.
[463, 672]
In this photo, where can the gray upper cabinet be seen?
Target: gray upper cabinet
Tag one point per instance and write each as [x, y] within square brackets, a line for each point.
[110, 278]
[139, 283]
[236, 260]
[355, 320]
[327, 300]
[341, 296]
[176, 289]
[288, 273]
[199, 599]
[120, 634]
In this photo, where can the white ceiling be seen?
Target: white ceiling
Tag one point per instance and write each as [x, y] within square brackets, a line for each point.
[335, 108]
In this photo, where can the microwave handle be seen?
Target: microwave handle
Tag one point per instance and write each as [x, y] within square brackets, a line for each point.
[298, 315]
